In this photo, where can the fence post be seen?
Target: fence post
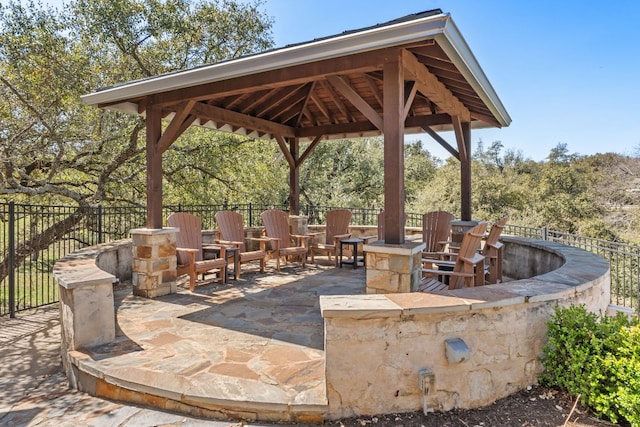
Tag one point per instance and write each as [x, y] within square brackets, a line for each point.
[545, 233]
[11, 266]
[100, 236]
[250, 215]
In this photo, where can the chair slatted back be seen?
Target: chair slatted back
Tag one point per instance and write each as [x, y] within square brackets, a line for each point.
[276, 223]
[337, 223]
[494, 234]
[189, 236]
[468, 249]
[436, 229]
[231, 227]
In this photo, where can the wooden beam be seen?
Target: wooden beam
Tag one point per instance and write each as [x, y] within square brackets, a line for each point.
[296, 74]
[233, 118]
[294, 178]
[442, 142]
[303, 108]
[322, 107]
[285, 151]
[394, 102]
[154, 167]
[356, 127]
[432, 88]
[463, 136]
[282, 97]
[410, 90]
[354, 98]
[371, 82]
[309, 149]
[177, 126]
[336, 100]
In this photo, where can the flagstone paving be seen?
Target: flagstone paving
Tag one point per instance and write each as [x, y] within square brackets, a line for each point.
[252, 344]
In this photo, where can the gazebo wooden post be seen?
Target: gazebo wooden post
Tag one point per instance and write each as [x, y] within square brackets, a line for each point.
[462, 131]
[393, 123]
[294, 178]
[154, 168]
[465, 175]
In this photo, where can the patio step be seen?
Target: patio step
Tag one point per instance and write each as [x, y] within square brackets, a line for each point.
[221, 397]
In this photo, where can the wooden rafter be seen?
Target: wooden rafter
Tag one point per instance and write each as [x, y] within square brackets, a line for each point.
[345, 89]
[432, 88]
[366, 126]
[217, 114]
[282, 96]
[337, 102]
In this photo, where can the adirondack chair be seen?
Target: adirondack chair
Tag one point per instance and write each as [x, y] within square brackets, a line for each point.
[190, 251]
[436, 231]
[468, 265]
[283, 243]
[337, 226]
[231, 232]
[492, 252]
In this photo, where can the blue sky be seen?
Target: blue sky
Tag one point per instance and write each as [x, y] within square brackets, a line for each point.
[566, 71]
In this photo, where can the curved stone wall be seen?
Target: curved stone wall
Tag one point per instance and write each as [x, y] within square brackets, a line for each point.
[480, 343]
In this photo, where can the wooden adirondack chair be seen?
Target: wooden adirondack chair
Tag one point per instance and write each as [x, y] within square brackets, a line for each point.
[190, 251]
[468, 265]
[231, 232]
[436, 231]
[492, 252]
[337, 228]
[283, 243]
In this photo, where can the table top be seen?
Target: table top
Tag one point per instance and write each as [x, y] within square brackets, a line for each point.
[352, 240]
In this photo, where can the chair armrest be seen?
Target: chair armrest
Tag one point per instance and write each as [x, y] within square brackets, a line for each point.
[262, 240]
[316, 233]
[303, 239]
[227, 243]
[191, 252]
[338, 237]
[275, 242]
[221, 249]
[368, 238]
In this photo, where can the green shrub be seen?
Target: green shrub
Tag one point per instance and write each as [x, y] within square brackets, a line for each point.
[596, 357]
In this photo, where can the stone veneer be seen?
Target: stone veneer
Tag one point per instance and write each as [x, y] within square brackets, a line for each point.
[85, 282]
[154, 261]
[393, 268]
[376, 345]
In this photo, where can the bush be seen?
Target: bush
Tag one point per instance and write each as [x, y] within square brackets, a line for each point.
[597, 358]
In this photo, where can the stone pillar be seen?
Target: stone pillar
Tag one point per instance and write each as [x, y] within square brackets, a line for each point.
[154, 262]
[393, 268]
[298, 225]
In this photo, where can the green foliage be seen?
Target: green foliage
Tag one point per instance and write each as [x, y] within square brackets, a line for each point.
[596, 357]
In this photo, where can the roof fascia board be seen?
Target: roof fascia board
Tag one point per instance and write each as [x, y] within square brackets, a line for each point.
[457, 49]
[363, 41]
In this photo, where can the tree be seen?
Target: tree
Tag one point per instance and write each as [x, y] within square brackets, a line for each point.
[55, 149]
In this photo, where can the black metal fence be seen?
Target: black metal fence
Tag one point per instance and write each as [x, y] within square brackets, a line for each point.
[34, 237]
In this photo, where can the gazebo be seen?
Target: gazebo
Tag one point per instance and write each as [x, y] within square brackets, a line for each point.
[415, 74]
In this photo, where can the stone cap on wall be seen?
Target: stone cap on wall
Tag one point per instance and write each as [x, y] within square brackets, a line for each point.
[580, 270]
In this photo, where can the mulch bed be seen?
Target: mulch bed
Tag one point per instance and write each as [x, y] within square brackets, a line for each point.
[537, 406]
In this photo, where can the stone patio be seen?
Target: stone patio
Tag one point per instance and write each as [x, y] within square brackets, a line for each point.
[255, 345]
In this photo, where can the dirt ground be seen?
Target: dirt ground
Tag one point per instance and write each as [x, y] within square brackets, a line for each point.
[535, 407]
